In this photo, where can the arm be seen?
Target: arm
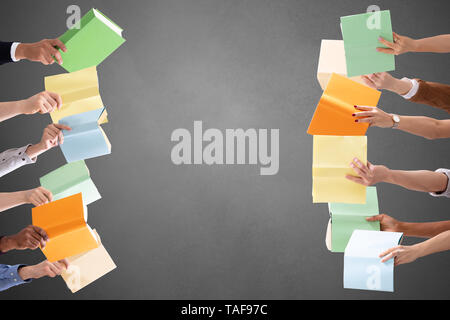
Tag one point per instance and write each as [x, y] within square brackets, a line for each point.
[430, 93]
[410, 229]
[5, 52]
[407, 254]
[11, 276]
[422, 180]
[43, 102]
[37, 197]
[402, 44]
[428, 128]
[13, 159]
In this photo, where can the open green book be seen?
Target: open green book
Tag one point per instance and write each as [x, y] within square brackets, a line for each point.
[71, 179]
[345, 218]
[88, 46]
[361, 41]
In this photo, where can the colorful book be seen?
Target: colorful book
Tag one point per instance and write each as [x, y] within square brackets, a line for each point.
[332, 156]
[363, 268]
[332, 60]
[70, 179]
[93, 42]
[345, 218]
[86, 139]
[65, 223]
[79, 92]
[88, 267]
[361, 40]
[333, 115]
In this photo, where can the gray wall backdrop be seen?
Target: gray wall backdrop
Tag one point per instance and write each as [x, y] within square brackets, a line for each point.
[220, 232]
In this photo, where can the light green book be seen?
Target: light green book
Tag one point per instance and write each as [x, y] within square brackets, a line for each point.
[71, 179]
[345, 218]
[88, 46]
[360, 33]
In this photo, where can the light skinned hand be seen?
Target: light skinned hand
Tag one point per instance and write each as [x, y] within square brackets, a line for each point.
[400, 45]
[43, 102]
[387, 223]
[42, 51]
[31, 237]
[53, 136]
[374, 116]
[44, 269]
[380, 81]
[367, 174]
[401, 254]
[38, 196]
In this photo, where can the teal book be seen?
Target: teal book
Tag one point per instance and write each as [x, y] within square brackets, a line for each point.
[363, 268]
[71, 179]
[345, 218]
[86, 139]
[360, 33]
[93, 42]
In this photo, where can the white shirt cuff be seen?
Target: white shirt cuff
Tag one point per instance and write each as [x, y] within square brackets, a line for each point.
[414, 89]
[13, 51]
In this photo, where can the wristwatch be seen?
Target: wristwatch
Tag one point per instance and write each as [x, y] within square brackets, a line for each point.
[396, 120]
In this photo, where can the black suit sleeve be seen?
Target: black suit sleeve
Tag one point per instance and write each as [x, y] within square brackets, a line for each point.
[5, 52]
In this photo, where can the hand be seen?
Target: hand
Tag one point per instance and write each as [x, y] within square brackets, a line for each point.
[400, 45]
[42, 51]
[45, 268]
[401, 254]
[31, 237]
[52, 136]
[384, 80]
[43, 102]
[387, 223]
[38, 196]
[369, 174]
[374, 116]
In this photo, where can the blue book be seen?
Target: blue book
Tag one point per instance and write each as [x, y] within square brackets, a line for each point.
[363, 268]
[86, 139]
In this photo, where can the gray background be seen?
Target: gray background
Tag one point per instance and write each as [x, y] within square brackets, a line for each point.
[220, 232]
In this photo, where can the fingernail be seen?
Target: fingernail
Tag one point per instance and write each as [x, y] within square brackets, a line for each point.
[379, 38]
[354, 114]
[356, 107]
[356, 120]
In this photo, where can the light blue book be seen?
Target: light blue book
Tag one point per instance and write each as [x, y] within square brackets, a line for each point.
[86, 139]
[363, 268]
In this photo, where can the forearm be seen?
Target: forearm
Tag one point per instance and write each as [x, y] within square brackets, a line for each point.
[423, 230]
[439, 243]
[428, 128]
[11, 109]
[422, 180]
[437, 44]
[12, 199]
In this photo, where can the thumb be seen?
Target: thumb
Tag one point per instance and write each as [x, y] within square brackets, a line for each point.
[375, 218]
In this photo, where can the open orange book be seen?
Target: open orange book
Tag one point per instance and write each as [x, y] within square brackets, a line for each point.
[65, 223]
[333, 115]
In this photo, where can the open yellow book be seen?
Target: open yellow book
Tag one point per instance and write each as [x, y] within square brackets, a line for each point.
[79, 92]
[332, 156]
[87, 267]
[332, 60]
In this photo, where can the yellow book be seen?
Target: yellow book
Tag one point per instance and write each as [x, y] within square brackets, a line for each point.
[332, 156]
[87, 267]
[79, 92]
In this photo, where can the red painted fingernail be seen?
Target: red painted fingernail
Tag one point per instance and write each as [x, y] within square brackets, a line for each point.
[356, 120]
[356, 107]
[353, 114]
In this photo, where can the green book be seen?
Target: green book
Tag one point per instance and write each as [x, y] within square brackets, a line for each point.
[88, 46]
[71, 179]
[360, 33]
[345, 218]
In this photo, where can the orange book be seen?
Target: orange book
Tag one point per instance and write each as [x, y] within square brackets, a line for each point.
[65, 223]
[333, 115]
